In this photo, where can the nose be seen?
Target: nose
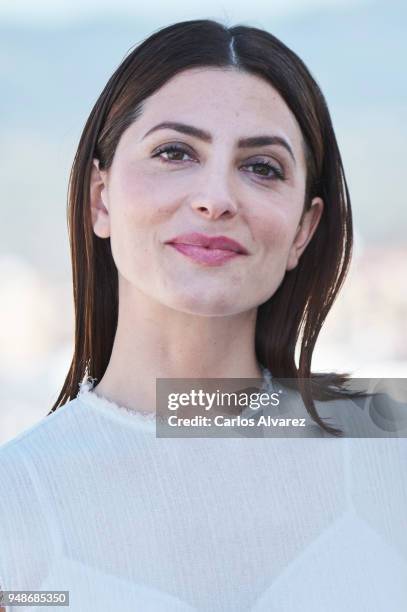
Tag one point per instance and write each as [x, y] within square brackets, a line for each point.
[215, 199]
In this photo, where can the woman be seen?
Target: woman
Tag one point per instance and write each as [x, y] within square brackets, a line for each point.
[210, 230]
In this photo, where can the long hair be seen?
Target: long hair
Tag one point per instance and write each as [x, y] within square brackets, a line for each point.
[294, 315]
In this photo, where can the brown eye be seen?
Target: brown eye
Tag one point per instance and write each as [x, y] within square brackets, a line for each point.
[268, 171]
[171, 150]
[175, 153]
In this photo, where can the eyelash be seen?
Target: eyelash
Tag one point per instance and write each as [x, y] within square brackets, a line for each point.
[278, 174]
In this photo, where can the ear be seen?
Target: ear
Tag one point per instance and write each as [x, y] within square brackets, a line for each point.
[305, 231]
[99, 201]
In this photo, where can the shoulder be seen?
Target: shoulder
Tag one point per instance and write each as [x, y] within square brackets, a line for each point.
[367, 408]
[27, 471]
[46, 428]
[33, 456]
[30, 453]
[379, 412]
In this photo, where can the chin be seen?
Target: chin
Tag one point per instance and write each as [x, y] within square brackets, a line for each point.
[206, 306]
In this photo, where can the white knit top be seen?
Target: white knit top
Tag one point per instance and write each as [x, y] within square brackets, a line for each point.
[93, 503]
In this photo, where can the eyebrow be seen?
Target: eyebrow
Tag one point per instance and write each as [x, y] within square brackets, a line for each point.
[252, 141]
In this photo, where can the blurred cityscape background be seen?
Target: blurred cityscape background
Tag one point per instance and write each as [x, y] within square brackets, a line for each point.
[56, 58]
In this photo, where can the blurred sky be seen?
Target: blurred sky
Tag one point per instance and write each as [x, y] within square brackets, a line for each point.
[55, 58]
[50, 12]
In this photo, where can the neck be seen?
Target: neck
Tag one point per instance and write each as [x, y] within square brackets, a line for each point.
[155, 341]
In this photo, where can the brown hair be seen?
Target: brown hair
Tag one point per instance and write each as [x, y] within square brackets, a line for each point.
[297, 310]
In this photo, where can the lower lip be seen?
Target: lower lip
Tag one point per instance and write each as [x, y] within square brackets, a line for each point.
[210, 257]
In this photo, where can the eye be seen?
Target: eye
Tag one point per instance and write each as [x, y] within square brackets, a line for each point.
[173, 151]
[266, 167]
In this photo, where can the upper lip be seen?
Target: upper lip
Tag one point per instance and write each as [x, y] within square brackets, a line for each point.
[210, 242]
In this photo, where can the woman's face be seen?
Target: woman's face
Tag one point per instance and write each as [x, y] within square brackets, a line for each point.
[252, 193]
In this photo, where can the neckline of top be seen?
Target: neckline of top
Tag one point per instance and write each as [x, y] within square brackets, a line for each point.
[88, 395]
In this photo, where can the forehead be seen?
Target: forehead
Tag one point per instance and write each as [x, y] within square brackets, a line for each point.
[226, 102]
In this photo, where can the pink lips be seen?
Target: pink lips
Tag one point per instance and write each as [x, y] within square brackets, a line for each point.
[209, 250]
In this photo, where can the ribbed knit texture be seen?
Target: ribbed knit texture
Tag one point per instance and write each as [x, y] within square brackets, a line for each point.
[94, 503]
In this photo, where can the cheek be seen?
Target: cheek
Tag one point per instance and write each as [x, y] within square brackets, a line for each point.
[131, 194]
[134, 217]
[140, 203]
[275, 231]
